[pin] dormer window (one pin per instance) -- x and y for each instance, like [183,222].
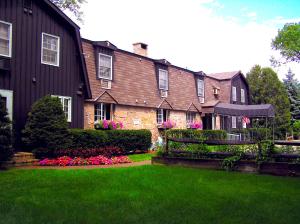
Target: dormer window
[200,86]
[163,79]
[105,67]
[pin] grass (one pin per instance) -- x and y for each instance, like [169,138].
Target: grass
[141,157]
[146,194]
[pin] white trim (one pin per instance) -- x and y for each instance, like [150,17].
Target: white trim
[9,102]
[58,49]
[167,73]
[62,98]
[111,66]
[10,39]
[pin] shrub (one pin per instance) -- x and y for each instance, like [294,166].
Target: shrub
[256,134]
[88,139]
[296,129]
[130,140]
[46,127]
[197,134]
[5,134]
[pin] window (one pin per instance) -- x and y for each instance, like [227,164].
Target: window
[66,103]
[163,79]
[7,99]
[5,39]
[234,94]
[50,49]
[27,4]
[105,66]
[162,115]
[190,117]
[242,95]
[233,121]
[102,111]
[200,86]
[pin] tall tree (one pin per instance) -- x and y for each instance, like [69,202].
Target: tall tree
[291,85]
[74,6]
[266,88]
[287,42]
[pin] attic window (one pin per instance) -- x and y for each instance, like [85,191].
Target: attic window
[27,4]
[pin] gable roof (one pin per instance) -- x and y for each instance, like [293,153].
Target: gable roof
[224,75]
[76,28]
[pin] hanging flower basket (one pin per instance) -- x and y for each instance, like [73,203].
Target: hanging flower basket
[167,125]
[195,125]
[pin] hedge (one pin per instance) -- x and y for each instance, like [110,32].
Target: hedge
[127,140]
[256,134]
[197,134]
[88,142]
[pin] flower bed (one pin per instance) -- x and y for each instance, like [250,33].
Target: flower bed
[78,161]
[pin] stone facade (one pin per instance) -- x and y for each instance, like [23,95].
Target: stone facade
[137,118]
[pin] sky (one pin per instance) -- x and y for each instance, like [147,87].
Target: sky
[201,35]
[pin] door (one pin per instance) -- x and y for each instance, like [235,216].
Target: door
[7,97]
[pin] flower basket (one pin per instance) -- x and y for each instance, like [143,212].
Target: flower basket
[107,125]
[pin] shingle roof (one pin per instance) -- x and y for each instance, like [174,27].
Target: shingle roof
[224,75]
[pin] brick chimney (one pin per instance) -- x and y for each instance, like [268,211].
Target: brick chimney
[141,49]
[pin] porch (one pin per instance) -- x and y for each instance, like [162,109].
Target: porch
[233,118]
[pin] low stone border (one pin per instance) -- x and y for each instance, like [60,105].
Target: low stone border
[142,163]
[273,168]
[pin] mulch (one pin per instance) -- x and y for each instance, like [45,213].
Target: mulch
[142,163]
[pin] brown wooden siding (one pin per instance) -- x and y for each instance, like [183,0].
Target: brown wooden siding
[26,61]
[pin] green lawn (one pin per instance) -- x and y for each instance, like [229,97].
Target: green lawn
[147,194]
[141,157]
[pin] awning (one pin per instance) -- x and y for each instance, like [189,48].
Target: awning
[260,110]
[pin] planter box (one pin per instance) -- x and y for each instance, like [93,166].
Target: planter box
[273,168]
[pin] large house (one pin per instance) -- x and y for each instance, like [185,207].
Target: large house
[40,54]
[143,92]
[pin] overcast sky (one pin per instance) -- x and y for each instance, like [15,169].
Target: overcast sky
[207,35]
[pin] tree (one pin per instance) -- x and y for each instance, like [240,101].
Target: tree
[74,6]
[287,42]
[291,85]
[46,128]
[266,88]
[5,134]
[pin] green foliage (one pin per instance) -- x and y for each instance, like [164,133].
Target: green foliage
[197,134]
[5,134]
[267,149]
[46,127]
[230,163]
[127,140]
[73,6]
[198,148]
[292,87]
[266,88]
[130,140]
[296,128]
[255,134]
[287,42]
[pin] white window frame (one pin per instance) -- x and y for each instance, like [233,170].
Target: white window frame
[111,66]
[233,121]
[167,79]
[103,112]
[190,117]
[62,98]
[234,98]
[160,113]
[243,98]
[10,39]
[200,93]
[58,50]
